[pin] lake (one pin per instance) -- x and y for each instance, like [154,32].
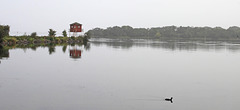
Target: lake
[122,75]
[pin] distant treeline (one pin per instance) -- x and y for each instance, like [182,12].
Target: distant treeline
[168,32]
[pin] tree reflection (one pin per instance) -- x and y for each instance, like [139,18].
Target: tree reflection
[75,53]
[87,46]
[4,53]
[64,48]
[51,48]
[171,45]
[232,46]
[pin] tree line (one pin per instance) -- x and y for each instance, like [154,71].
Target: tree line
[168,32]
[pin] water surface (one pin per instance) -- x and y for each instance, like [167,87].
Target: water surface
[123,76]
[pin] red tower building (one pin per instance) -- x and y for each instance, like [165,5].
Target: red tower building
[75,28]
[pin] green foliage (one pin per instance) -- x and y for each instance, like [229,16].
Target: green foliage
[10,40]
[51,33]
[79,38]
[34,34]
[57,40]
[64,39]
[72,37]
[4,31]
[34,39]
[50,38]
[42,39]
[31,40]
[64,33]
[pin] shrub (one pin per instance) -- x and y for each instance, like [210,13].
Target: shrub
[31,40]
[34,34]
[10,40]
[57,39]
[72,37]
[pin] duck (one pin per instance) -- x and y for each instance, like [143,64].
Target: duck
[167,99]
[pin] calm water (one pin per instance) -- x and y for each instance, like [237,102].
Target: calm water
[123,76]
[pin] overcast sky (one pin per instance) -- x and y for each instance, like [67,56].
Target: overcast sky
[41,15]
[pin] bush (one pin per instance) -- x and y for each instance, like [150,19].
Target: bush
[72,37]
[64,39]
[31,40]
[10,40]
[42,39]
[57,39]
[34,34]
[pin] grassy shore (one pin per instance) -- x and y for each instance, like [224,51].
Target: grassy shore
[12,40]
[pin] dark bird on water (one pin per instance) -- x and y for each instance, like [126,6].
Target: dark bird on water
[167,99]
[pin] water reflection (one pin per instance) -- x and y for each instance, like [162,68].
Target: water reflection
[119,44]
[171,45]
[103,79]
[4,52]
[75,53]
[51,48]
[64,48]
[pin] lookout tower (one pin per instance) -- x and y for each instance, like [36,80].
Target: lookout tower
[75,28]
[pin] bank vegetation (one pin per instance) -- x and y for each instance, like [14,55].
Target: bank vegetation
[33,38]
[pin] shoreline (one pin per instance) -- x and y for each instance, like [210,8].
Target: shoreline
[25,40]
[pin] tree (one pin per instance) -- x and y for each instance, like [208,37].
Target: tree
[51,33]
[34,34]
[64,33]
[4,31]
[87,34]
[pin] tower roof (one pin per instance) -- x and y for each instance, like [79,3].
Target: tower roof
[76,23]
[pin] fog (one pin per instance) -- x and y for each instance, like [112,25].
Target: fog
[27,16]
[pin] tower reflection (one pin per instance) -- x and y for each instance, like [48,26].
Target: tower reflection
[75,53]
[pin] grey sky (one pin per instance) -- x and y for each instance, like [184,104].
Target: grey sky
[41,15]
